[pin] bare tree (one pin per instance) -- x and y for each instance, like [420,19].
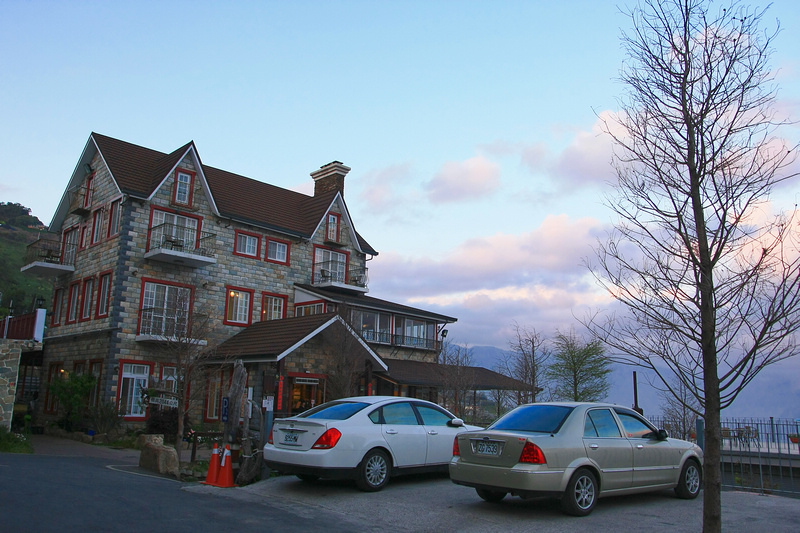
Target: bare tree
[679,410]
[527,362]
[458,377]
[579,370]
[346,365]
[708,291]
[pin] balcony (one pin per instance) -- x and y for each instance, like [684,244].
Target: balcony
[181,245]
[166,326]
[29,326]
[415,342]
[335,275]
[48,256]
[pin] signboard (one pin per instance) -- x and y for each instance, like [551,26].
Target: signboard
[167,402]
[268,403]
[225,408]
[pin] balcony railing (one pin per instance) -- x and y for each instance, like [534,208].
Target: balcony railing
[415,342]
[157,324]
[49,255]
[336,274]
[29,326]
[181,245]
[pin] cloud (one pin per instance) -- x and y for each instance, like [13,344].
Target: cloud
[587,160]
[380,188]
[458,181]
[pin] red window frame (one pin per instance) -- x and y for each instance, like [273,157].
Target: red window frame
[157,281]
[280,241]
[74,297]
[50,400]
[114,218]
[100,278]
[85,236]
[86,299]
[228,290]
[122,363]
[97,227]
[58,304]
[87,198]
[199,220]
[190,193]
[337,221]
[265,296]
[249,234]
[346,255]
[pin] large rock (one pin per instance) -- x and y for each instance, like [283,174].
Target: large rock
[149,439]
[160,458]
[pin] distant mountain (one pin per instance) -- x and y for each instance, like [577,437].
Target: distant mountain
[774,393]
[17,229]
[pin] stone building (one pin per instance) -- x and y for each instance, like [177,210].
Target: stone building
[145,245]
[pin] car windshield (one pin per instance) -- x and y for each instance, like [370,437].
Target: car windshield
[534,418]
[334,410]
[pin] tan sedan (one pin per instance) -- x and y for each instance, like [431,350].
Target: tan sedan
[577,452]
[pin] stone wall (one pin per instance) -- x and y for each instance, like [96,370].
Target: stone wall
[10,354]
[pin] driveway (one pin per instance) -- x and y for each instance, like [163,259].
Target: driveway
[433,503]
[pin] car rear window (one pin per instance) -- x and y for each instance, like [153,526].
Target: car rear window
[534,418]
[334,410]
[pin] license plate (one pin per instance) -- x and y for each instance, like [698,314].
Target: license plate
[290,438]
[487,448]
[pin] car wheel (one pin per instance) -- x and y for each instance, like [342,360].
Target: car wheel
[689,483]
[308,478]
[491,496]
[581,493]
[373,472]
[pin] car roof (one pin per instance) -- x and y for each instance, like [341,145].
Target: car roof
[378,399]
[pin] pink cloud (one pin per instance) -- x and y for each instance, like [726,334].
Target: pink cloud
[379,190]
[464,180]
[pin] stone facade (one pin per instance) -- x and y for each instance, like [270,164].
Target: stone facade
[10,354]
[82,338]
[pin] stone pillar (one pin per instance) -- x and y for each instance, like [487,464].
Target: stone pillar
[10,354]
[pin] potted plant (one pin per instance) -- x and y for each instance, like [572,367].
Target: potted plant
[794,437]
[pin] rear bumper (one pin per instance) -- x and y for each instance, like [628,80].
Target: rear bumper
[521,481]
[324,473]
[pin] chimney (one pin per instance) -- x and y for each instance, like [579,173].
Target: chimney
[329,178]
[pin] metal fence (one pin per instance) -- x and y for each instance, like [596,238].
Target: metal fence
[758,454]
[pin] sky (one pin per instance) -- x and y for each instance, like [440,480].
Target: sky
[479,167]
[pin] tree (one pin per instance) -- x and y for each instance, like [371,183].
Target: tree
[72,392]
[458,377]
[679,410]
[527,362]
[579,370]
[708,291]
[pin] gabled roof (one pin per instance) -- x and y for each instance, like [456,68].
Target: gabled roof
[363,301]
[139,171]
[423,374]
[272,340]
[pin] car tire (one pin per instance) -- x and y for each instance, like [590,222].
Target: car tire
[581,494]
[690,481]
[491,496]
[308,478]
[373,472]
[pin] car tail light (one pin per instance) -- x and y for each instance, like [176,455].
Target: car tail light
[269,440]
[327,439]
[456,448]
[531,453]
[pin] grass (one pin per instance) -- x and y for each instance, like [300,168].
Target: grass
[14,442]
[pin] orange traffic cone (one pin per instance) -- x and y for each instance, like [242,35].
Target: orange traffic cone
[225,479]
[213,467]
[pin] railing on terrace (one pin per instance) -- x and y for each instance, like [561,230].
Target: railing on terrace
[173,237]
[337,272]
[760,455]
[29,326]
[384,337]
[51,250]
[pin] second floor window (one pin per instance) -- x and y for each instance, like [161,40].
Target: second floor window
[104,295]
[86,308]
[58,303]
[277,251]
[113,218]
[329,266]
[239,306]
[273,307]
[165,310]
[74,301]
[97,226]
[173,231]
[87,194]
[70,246]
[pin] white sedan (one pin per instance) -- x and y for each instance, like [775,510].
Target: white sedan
[365,438]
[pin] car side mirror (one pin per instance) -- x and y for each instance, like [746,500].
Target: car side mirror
[662,434]
[456,423]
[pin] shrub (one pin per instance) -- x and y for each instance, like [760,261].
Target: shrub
[14,442]
[104,417]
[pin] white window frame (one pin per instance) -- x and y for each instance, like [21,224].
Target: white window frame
[135,378]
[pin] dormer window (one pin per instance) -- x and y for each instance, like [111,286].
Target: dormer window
[87,196]
[184,185]
[332,231]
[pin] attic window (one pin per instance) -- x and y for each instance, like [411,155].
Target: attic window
[184,184]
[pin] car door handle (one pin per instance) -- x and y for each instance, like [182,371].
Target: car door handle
[594,446]
[433,432]
[639,446]
[391,431]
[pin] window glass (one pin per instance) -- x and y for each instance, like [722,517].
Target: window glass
[534,418]
[329,266]
[183,187]
[97,226]
[400,413]
[165,310]
[173,231]
[634,426]
[113,219]
[104,295]
[272,308]
[600,423]
[88,287]
[431,416]
[134,382]
[238,306]
[74,297]
[247,244]
[277,251]
[334,410]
